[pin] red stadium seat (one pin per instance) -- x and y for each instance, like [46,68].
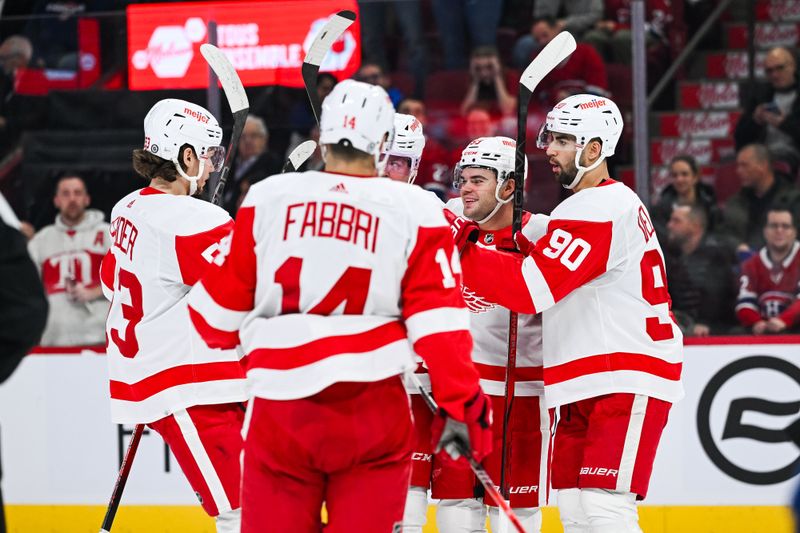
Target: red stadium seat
[620,83]
[726,182]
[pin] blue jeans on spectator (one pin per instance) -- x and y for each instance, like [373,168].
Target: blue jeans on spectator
[480,18]
[523,51]
[373,28]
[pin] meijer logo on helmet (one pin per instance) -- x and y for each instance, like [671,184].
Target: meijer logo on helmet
[593,103]
[196,114]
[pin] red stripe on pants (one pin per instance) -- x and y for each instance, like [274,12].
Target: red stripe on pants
[348,446]
[219,428]
[590,438]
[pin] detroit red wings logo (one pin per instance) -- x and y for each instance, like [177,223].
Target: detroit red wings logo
[475,303]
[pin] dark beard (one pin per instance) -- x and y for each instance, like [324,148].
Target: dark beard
[568,174]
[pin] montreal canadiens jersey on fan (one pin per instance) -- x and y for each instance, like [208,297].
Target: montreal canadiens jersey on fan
[488,321]
[336,278]
[158,364]
[768,289]
[598,278]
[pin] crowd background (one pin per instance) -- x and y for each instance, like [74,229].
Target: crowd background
[728,224]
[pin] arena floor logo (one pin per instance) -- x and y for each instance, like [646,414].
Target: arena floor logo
[753,454]
[170,49]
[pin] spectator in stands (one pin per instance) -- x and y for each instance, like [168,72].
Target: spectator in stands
[373,32]
[583,72]
[476,19]
[707,298]
[745,212]
[15,53]
[301,117]
[479,124]
[374,74]
[253,161]
[574,16]
[770,281]
[68,255]
[612,35]
[488,85]
[434,167]
[772,116]
[685,188]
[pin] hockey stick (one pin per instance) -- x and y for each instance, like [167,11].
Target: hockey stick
[299,155]
[548,58]
[122,478]
[477,468]
[329,33]
[237,100]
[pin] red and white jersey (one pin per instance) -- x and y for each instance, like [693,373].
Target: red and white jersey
[488,321]
[598,279]
[334,278]
[768,289]
[72,254]
[157,363]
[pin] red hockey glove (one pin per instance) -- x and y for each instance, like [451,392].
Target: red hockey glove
[475,433]
[464,230]
[524,245]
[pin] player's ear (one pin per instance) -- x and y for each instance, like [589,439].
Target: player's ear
[509,187]
[594,148]
[187,156]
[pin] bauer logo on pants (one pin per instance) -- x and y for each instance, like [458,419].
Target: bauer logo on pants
[767,417]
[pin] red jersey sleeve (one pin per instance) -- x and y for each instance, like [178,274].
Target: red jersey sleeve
[791,315]
[196,252]
[747,310]
[107,268]
[594,71]
[225,295]
[437,320]
[571,254]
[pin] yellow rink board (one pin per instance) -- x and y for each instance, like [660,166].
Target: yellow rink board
[182,519]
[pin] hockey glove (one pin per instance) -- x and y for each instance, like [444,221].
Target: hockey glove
[464,230]
[524,245]
[474,434]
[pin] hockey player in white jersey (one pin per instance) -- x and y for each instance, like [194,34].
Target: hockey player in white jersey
[333,282]
[405,152]
[612,352]
[484,177]
[162,373]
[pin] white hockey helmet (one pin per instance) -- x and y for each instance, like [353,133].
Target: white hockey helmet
[172,123]
[587,117]
[409,142]
[359,115]
[494,153]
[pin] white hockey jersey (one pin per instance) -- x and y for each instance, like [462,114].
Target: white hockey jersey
[598,278]
[72,254]
[334,278]
[488,321]
[157,363]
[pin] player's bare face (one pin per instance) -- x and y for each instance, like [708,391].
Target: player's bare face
[683,178]
[71,199]
[477,192]
[561,153]
[398,168]
[193,168]
[779,231]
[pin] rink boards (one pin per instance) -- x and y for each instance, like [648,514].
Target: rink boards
[725,463]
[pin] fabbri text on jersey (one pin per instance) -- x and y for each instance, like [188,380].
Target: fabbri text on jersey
[333,220]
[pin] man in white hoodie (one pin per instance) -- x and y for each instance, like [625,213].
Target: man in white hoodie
[68,255]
